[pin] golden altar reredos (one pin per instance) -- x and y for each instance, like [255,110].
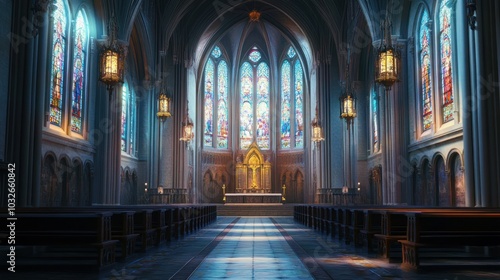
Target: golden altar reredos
[253,172]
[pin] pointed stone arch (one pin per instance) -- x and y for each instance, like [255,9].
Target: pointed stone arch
[76,183]
[88,180]
[457,183]
[211,192]
[441,182]
[298,186]
[64,173]
[49,181]
[426,189]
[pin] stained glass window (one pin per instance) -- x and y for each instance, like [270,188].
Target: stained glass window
[246,105]
[124,116]
[286,105]
[79,52]
[299,111]
[222,109]
[291,52]
[254,55]
[216,109]
[209,102]
[57,68]
[263,124]
[292,102]
[132,105]
[375,121]
[446,61]
[425,71]
[216,52]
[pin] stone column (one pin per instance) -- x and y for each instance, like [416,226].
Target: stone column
[469,118]
[41,18]
[22,135]
[393,135]
[487,96]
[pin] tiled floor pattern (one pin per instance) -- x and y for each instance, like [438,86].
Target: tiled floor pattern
[254,248]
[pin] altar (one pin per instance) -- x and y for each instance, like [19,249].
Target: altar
[253,179]
[268,198]
[253,172]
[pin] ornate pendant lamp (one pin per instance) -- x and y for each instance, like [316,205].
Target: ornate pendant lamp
[317,131]
[388,58]
[347,99]
[164,104]
[187,128]
[111,60]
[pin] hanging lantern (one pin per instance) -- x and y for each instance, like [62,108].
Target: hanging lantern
[111,67]
[387,72]
[187,129]
[388,58]
[347,108]
[111,60]
[164,104]
[317,131]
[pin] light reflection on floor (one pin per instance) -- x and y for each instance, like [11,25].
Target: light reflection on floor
[253,249]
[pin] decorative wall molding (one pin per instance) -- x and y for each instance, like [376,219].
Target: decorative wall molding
[293,158]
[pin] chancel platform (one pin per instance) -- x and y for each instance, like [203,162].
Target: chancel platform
[267,198]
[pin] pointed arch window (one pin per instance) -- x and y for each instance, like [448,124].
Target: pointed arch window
[216,112]
[292,96]
[128,121]
[424,36]
[255,101]
[446,63]
[57,68]
[79,74]
[67,78]
[375,119]
[124,116]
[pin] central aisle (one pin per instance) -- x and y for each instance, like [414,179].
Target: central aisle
[253,248]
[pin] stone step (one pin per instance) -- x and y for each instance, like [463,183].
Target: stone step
[255,210]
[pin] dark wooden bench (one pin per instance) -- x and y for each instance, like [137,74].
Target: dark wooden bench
[392,229]
[448,229]
[123,230]
[371,225]
[68,230]
[122,223]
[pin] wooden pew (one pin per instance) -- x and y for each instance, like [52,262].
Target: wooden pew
[448,229]
[122,223]
[69,230]
[355,226]
[393,228]
[371,225]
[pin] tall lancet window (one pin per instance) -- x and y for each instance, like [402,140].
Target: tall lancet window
[124,116]
[425,71]
[263,129]
[129,120]
[375,110]
[445,39]
[254,101]
[254,89]
[292,100]
[216,112]
[79,66]
[57,68]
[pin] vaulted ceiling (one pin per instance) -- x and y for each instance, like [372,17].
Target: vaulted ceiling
[320,28]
